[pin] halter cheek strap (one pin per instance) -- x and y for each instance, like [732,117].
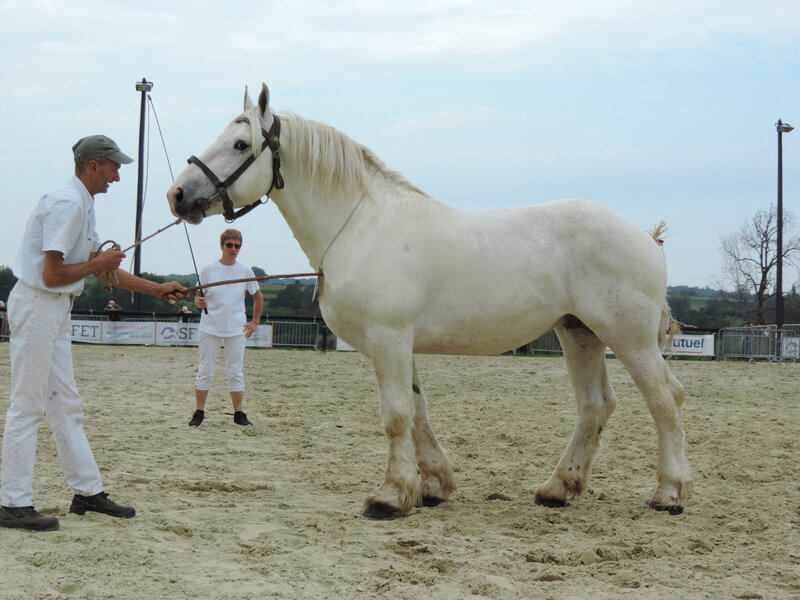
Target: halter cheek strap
[271,140]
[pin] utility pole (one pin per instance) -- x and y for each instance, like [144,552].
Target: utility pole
[144,87]
[782,128]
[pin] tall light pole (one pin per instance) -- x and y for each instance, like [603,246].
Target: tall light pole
[142,86]
[782,128]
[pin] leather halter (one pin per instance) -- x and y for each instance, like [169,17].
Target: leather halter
[271,139]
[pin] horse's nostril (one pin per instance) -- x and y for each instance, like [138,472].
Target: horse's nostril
[179,194]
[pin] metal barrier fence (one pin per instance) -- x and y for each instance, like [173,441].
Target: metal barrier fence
[752,343]
[547,344]
[296,334]
[761,342]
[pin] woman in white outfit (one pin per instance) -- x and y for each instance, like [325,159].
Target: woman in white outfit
[224,322]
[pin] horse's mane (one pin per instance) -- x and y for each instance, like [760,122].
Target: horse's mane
[333,158]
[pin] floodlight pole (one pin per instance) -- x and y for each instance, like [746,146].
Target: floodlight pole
[142,86]
[782,128]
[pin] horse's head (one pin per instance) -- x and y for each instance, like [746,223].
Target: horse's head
[232,171]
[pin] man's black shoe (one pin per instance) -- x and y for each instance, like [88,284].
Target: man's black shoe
[197,418]
[26,517]
[100,503]
[240,418]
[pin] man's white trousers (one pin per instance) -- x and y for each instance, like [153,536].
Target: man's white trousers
[43,387]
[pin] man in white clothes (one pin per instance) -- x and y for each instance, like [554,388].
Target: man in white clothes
[224,322]
[60,248]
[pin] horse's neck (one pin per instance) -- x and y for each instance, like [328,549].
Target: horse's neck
[332,185]
[315,218]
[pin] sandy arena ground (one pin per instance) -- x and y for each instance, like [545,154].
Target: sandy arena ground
[273,510]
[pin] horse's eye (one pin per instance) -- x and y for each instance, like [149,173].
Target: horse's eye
[241,145]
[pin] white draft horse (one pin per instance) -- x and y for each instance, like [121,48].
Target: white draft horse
[405,274]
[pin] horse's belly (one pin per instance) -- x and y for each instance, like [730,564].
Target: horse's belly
[482,338]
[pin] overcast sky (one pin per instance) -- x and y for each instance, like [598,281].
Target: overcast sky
[660,110]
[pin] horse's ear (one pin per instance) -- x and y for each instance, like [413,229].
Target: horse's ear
[263,99]
[248,104]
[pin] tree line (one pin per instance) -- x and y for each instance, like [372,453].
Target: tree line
[695,306]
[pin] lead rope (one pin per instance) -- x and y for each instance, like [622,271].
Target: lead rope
[248,279]
[112,275]
[336,237]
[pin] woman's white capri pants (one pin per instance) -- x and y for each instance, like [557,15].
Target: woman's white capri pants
[234,357]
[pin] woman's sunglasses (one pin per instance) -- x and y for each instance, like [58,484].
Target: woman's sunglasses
[232,245]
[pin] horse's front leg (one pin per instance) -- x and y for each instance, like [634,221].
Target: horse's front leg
[436,471]
[400,491]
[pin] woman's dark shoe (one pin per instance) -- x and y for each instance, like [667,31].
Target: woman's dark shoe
[197,418]
[240,418]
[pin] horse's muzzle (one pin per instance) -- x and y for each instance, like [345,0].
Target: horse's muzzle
[191,210]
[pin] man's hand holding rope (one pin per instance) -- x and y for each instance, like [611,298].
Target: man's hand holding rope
[106,264]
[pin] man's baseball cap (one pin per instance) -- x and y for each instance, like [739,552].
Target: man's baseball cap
[99,146]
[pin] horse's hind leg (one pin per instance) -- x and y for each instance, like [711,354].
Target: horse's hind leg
[594,400]
[436,471]
[664,396]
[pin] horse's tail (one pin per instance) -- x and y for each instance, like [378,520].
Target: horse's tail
[658,233]
[668,328]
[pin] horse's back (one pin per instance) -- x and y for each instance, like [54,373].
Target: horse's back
[562,250]
[482,282]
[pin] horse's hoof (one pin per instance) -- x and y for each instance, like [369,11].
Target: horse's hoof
[549,502]
[380,511]
[673,510]
[431,501]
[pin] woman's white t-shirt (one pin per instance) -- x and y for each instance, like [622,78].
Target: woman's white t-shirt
[226,316]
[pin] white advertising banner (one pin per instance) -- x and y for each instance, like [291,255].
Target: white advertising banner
[688,345]
[693,345]
[147,333]
[136,333]
[185,334]
[88,332]
[344,346]
[790,347]
[176,334]
[261,338]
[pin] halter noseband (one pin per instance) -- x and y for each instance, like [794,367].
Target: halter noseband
[271,139]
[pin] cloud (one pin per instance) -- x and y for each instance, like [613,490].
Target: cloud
[452,119]
[348,39]
[514,34]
